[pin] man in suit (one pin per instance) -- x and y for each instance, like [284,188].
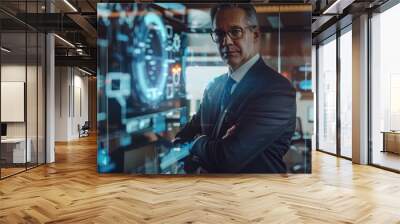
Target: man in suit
[247,117]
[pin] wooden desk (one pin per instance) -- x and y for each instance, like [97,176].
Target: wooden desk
[13,150]
[391,141]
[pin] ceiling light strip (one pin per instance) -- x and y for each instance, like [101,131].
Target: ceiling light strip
[64,40]
[84,71]
[70,5]
[337,7]
[5,50]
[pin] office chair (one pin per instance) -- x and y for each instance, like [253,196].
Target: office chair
[297,159]
[84,130]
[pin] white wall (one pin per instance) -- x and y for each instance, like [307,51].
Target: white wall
[61,103]
[16,73]
[10,73]
[13,72]
[71,94]
[302,106]
[197,79]
[33,126]
[79,115]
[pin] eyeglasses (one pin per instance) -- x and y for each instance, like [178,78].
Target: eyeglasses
[235,33]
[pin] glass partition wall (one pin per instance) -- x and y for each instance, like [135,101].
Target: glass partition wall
[22,88]
[13,110]
[334,94]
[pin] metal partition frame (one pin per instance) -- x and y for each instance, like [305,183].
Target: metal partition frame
[44,75]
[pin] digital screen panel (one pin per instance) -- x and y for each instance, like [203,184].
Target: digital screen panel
[144,63]
[140,78]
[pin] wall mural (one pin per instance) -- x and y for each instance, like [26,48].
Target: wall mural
[144,109]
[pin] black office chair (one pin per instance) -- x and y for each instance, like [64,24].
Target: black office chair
[297,159]
[84,130]
[298,132]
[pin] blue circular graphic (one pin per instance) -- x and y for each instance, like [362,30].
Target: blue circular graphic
[150,60]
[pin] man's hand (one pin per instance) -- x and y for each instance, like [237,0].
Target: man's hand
[229,132]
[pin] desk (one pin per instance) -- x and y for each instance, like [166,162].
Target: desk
[15,148]
[391,141]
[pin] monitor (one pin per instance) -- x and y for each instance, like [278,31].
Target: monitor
[3,129]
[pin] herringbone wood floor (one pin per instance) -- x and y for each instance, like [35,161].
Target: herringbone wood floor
[71,191]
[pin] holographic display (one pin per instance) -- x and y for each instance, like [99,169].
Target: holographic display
[140,81]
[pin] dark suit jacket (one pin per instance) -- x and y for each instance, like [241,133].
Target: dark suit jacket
[263,108]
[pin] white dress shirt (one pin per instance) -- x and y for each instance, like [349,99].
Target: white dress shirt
[240,72]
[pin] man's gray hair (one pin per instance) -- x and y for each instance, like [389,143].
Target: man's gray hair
[250,11]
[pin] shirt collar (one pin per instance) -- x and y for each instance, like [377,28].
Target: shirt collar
[240,72]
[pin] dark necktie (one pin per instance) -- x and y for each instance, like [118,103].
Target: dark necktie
[227,92]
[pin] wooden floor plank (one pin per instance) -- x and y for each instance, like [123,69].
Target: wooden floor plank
[71,191]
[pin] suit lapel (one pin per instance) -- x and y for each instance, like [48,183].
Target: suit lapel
[216,105]
[240,94]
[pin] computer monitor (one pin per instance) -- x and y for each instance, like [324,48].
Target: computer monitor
[3,129]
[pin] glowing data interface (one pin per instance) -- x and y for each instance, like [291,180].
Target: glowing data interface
[140,82]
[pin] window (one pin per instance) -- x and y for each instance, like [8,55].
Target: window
[327,96]
[385,89]
[346,93]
